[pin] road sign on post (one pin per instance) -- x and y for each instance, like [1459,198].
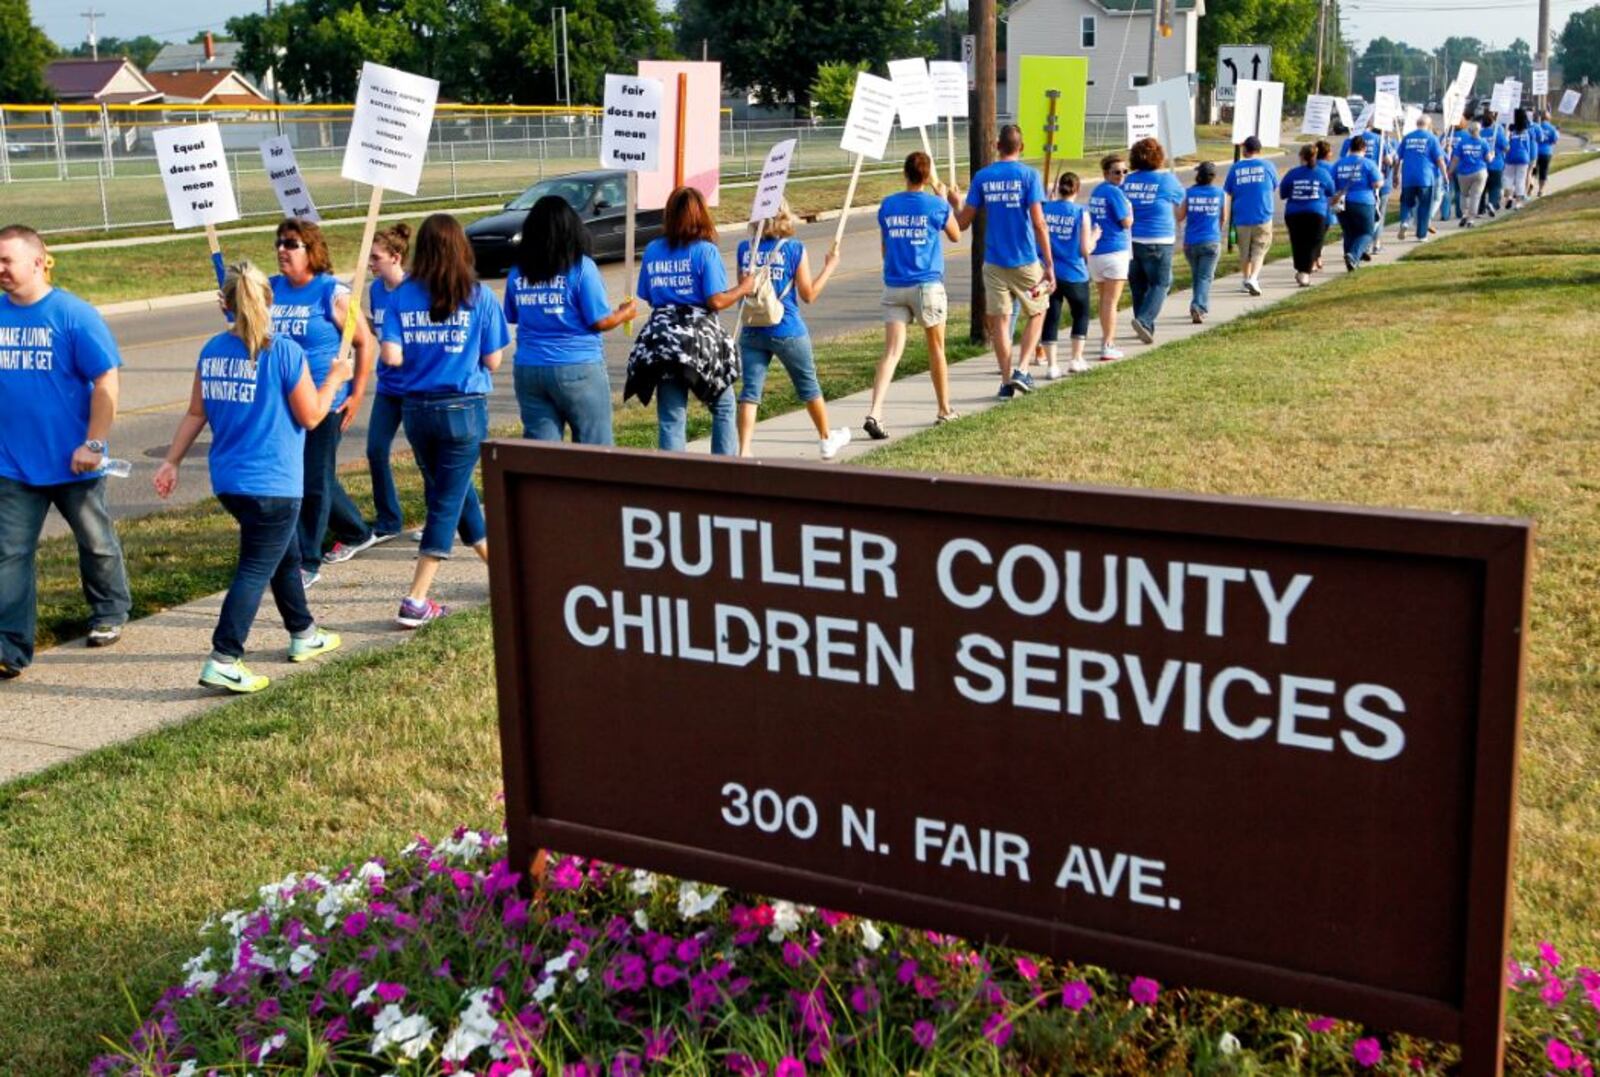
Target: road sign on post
[1236,62]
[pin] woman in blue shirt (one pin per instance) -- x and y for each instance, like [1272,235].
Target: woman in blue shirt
[557,301]
[386,261]
[1072,237]
[912,227]
[1546,137]
[449,332]
[1357,181]
[782,258]
[309,306]
[254,387]
[1157,200]
[1469,169]
[1205,222]
[1325,164]
[1109,260]
[1305,191]
[1519,157]
[683,348]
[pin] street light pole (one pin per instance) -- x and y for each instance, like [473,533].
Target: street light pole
[1322,34]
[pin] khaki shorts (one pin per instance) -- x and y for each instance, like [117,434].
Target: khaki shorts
[1001,283]
[916,304]
[1254,239]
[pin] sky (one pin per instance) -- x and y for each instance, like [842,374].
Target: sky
[1424,23]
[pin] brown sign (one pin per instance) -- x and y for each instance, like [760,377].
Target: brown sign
[1263,748]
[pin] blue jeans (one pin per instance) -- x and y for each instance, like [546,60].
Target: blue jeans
[756,352]
[105,578]
[1382,216]
[445,432]
[269,555]
[381,428]
[1356,223]
[1149,277]
[553,396]
[1419,199]
[1202,259]
[326,508]
[672,418]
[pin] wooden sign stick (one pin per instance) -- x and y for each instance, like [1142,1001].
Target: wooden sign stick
[683,129]
[927,147]
[755,263]
[359,280]
[1050,126]
[849,196]
[632,205]
[950,134]
[216,253]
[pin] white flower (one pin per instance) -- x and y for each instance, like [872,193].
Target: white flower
[371,870]
[187,1069]
[692,903]
[871,937]
[366,996]
[1228,1044]
[235,921]
[642,883]
[410,1034]
[476,1028]
[560,964]
[303,957]
[582,975]
[201,981]
[545,989]
[271,1044]
[467,847]
[640,920]
[785,920]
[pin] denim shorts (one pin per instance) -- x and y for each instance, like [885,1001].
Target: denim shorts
[758,350]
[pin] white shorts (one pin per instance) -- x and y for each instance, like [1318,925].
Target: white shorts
[1112,266]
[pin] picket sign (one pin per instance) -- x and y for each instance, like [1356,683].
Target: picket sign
[630,139]
[1319,115]
[288,184]
[1385,112]
[866,134]
[950,89]
[914,97]
[1386,84]
[1541,81]
[1569,102]
[1144,121]
[1258,111]
[194,171]
[1466,75]
[388,142]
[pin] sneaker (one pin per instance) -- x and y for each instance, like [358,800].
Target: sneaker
[304,650]
[307,578]
[838,439]
[1377,248]
[874,429]
[1022,380]
[103,635]
[343,551]
[233,677]
[1078,366]
[383,536]
[1252,286]
[1007,391]
[1054,373]
[1109,354]
[1425,239]
[1402,234]
[1143,332]
[1349,264]
[415,536]
[947,417]
[1197,316]
[415,614]
[8,671]
[1303,279]
[1367,256]
[1461,222]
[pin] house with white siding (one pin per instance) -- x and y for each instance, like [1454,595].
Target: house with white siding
[1113,34]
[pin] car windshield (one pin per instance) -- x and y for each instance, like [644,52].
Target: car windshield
[575,191]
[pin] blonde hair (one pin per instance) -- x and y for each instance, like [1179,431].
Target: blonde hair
[779,226]
[249,297]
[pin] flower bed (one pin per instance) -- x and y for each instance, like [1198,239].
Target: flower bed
[435,964]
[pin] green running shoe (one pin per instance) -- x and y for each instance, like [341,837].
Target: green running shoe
[234,678]
[304,650]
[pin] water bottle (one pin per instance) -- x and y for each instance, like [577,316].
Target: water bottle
[115,468]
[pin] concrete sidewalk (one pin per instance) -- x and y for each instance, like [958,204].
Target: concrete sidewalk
[73,700]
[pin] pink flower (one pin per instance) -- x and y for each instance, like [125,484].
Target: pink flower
[665,975]
[744,1065]
[1144,990]
[997,1029]
[1554,993]
[688,950]
[924,1033]
[790,1066]
[1027,969]
[1321,1024]
[1548,955]
[355,924]
[566,876]
[864,998]
[1076,995]
[1559,1054]
[794,955]
[515,914]
[1367,1052]
[391,992]
[657,1045]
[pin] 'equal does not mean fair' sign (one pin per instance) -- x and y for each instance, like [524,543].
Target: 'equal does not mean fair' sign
[1257,747]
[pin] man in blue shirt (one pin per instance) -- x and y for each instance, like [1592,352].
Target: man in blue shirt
[1252,188]
[1421,158]
[58,397]
[1016,253]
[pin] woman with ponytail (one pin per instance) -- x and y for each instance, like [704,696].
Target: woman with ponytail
[254,388]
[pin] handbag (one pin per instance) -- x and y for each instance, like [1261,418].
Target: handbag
[763,307]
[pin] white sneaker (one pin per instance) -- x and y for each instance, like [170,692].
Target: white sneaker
[1402,235]
[1108,353]
[1053,373]
[835,441]
[1078,366]
[1252,286]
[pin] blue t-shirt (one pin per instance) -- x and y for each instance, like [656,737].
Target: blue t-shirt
[784,269]
[1251,183]
[1548,137]
[554,317]
[1519,147]
[1109,207]
[1202,215]
[688,275]
[1153,196]
[1306,189]
[1468,154]
[1495,138]
[51,351]
[911,223]
[391,379]
[1009,189]
[305,316]
[256,446]
[445,357]
[1356,175]
[1064,221]
[1420,157]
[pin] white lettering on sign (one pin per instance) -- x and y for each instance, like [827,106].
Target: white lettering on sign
[630,133]
[288,185]
[194,170]
[913,92]
[949,87]
[389,131]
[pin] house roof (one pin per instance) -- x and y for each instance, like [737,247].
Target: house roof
[219,87]
[193,58]
[87,80]
[1126,7]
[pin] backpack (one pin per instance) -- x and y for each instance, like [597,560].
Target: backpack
[763,307]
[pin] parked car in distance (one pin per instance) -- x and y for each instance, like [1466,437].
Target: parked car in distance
[1356,103]
[599,197]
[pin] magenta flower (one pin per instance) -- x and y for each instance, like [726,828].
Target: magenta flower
[335,1030]
[1321,1024]
[688,950]
[1554,993]
[658,1044]
[864,998]
[566,876]
[1027,969]
[1548,954]
[626,1065]
[1367,1052]
[794,955]
[743,1065]
[1559,1054]
[626,973]
[355,924]
[924,1033]
[1076,995]
[790,1066]
[997,1029]
[268,1009]
[665,975]
[582,1069]
[515,914]
[1144,990]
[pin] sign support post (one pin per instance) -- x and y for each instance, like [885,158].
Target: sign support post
[866,134]
[216,253]
[950,91]
[630,212]
[1050,127]
[358,280]
[849,196]
[683,129]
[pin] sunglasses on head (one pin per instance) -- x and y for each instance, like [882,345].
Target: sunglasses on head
[289,244]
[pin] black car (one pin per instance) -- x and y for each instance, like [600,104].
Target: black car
[600,198]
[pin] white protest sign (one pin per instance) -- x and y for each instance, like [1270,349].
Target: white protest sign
[1144,121]
[774,177]
[1385,112]
[1500,101]
[277,157]
[1413,114]
[389,132]
[871,119]
[1466,75]
[1387,84]
[630,132]
[1364,121]
[1514,88]
[130,138]
[913,93]
[1541,81]
[1342,107]
[1171,96]
[194,169]
[1569,102]
[1258,111]
[949,87]
[1319,115]
[1453,107]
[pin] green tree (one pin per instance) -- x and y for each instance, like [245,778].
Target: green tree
[1578,48]
[832,89]
[774,47]
[1289,26]
[25,50]
[141,50]
[1385,57]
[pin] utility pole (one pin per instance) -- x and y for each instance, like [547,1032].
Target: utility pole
[1543,55]
[94,39]
[1322,35]
[980,135]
